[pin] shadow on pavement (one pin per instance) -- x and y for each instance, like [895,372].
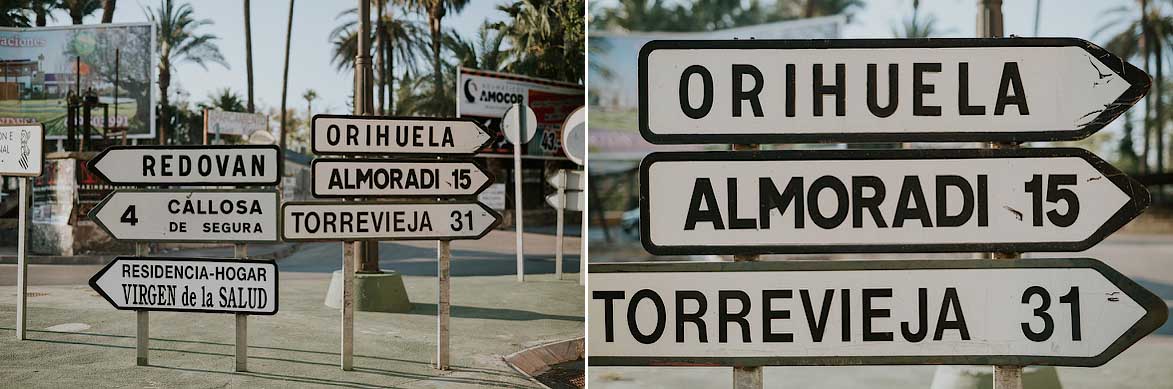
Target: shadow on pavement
[441,376]
[490,313]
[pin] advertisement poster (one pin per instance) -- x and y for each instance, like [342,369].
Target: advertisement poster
[487,95]
[41,67]
[53,192]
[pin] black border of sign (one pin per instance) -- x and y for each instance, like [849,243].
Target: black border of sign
[1131,209]
[1138,80]
[40,143]
[276,282]
[92,164]
[492,226]
[314,146]
[1156,312]
[489,178]
[93,214]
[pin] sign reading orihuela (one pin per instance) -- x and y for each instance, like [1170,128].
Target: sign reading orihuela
[189,165]
[1007,200]
[881,90]
[193,215]
[1069,312]
[324,221]
[352,134]
[189,284]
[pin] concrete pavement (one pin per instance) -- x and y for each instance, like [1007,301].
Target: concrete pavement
[78,340]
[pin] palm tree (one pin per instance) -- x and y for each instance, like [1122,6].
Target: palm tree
[310,95]
[1144,37]
[285,75]
[435,10]
[248,53]
[546,38]
[178,41]
[403,42]
[108,10]
[224,99]
[79,9]
[485,53]
[915,26]
[15,14]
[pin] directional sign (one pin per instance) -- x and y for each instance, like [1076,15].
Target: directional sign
[21,151]
[324,221]
[808,201]
[189,285]
[574,136]
[381,177]
[189,215]
[575,201]
[568,179]
[1064,312]
[881,90]
[189,165]
[351,134]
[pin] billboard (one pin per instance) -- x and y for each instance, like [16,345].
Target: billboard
[217,122]
[40,67]
[486,96]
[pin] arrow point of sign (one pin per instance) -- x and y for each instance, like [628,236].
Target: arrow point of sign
[93,214]
[1156,311]
[94,280]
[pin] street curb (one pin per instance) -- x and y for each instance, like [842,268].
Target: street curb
[536,360]
[276,255]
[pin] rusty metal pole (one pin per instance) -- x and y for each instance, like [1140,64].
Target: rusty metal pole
[747,377]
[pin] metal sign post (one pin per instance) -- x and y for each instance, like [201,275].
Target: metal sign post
[21,155]
[569,185]
[443,302]
[519,124]
[574,145]
[142,333]
[240,251]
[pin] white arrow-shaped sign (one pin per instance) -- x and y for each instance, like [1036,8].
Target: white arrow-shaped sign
[575,201]
[1065,312]
[233,165]
[381,178]
[189,215]
[189,285]
[882,201]
[326,221]
[568,179]
[351,134]
[881,90]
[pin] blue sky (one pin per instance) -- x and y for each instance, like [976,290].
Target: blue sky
[310,55]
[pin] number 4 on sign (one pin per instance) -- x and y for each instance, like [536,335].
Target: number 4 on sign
[128,216]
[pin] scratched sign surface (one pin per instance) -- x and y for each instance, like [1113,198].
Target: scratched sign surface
[881,90]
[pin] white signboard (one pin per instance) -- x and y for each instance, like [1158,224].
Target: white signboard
[490,94]
[575,201]
[21,154]
[372,177]
[1068,312]
[350,134]
[189,165]
[189,215]
[762,91]
[386,221]
[189,285]
[568,179]
[882,201]
[574,136]
[234,123]
[493,197]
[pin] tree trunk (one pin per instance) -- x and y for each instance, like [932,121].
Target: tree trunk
[434,15]
[75,11]
[809,11]
[380,44]
[108,11]
[164,102]
[1148,111]
[1159,130]
[248,54]
[390,71]
[284,78]
[41,12]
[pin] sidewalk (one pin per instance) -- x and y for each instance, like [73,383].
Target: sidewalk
[80,341]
